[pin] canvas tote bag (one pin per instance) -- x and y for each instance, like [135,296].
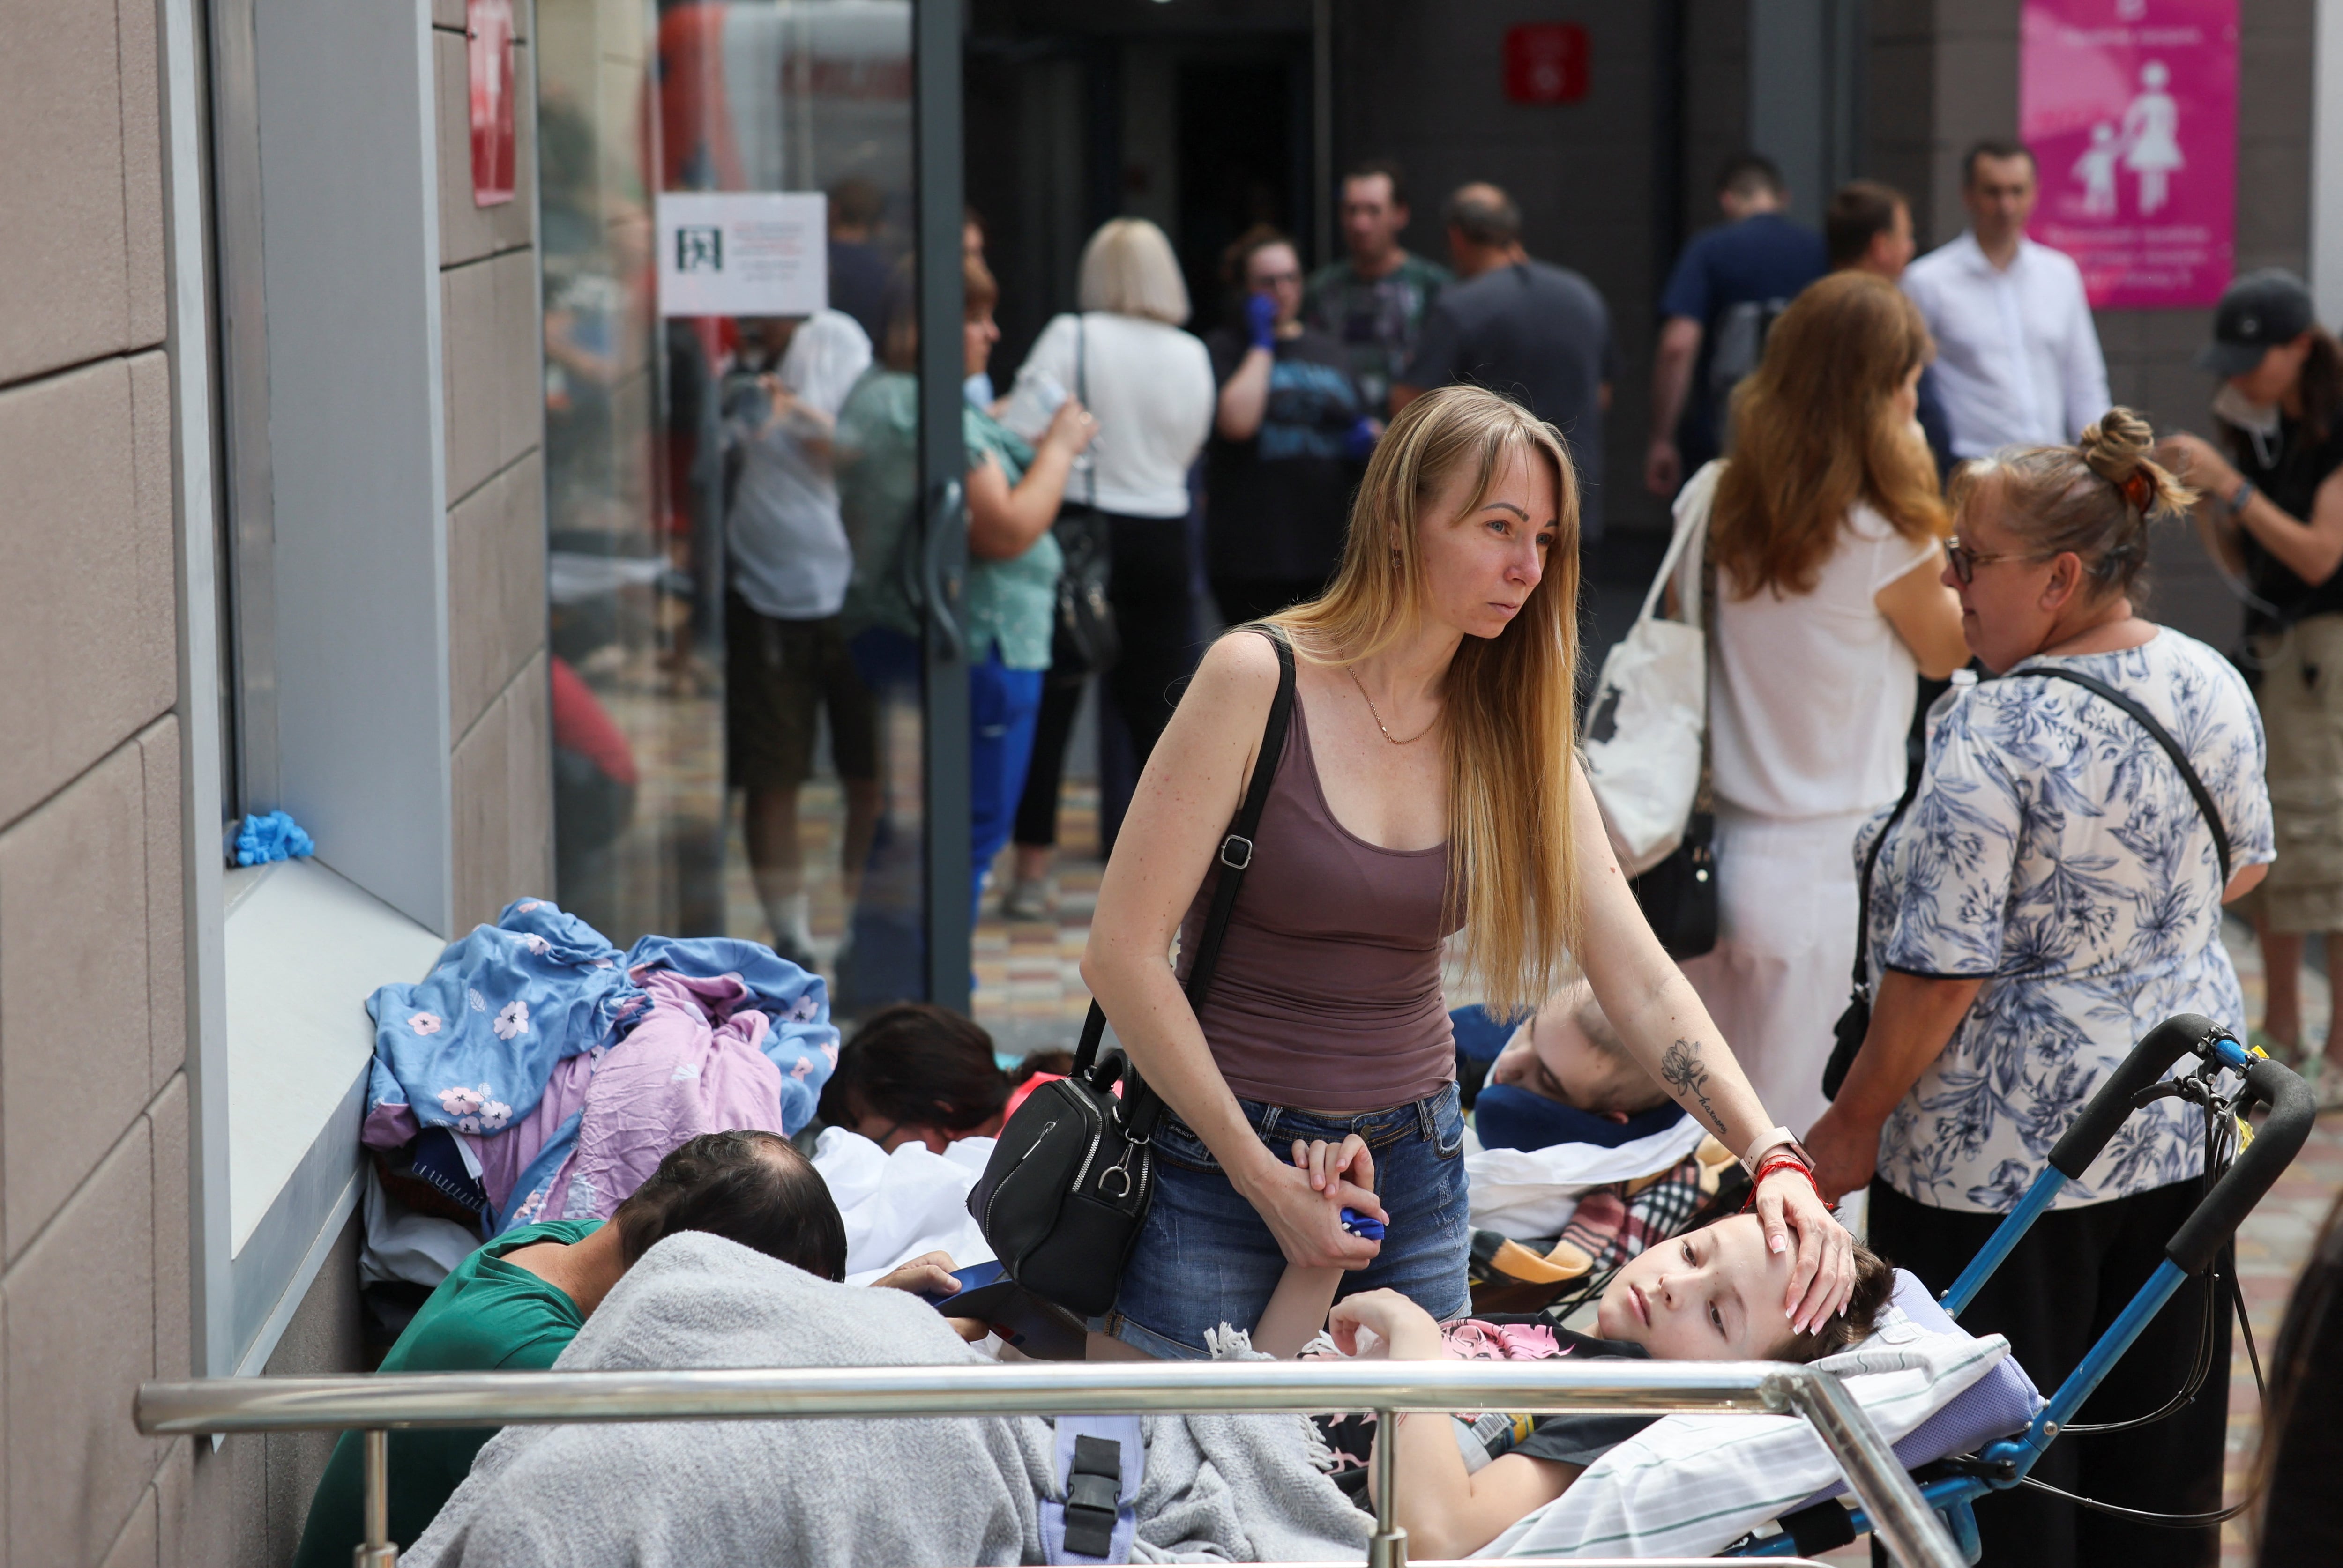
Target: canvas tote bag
[1650,713]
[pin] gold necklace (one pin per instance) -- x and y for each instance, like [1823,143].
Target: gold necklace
[1378,718]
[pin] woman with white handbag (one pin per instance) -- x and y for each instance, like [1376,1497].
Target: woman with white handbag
[1824,531]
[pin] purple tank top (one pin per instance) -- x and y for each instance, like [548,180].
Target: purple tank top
[1327,996]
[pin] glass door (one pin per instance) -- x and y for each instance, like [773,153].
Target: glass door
[753,583]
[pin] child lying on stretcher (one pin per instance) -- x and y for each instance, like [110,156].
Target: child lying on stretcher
[1710,1294]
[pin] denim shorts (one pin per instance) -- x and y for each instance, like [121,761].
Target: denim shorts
[1204,1258]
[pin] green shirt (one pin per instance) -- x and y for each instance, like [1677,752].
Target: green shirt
[488,1316]
[1009,604]
[1375,319]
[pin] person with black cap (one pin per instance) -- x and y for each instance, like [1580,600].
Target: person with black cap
[2271,514]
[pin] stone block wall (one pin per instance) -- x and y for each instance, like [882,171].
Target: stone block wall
[499,700]
[93,1271]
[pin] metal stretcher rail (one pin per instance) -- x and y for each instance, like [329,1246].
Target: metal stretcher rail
[376,1404]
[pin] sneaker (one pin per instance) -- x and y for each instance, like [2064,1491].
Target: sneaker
[1026,901]
[795,952]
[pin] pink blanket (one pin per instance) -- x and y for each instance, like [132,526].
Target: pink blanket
[694,1065]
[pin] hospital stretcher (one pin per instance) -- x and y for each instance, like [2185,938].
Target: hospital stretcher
[1926,1523]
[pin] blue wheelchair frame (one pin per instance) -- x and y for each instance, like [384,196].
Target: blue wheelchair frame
[2003,1464]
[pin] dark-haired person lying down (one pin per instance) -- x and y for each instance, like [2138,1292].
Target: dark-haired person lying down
[516,1303]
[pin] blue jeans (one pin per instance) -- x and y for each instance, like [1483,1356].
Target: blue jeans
[1205,1258]
[1003,705]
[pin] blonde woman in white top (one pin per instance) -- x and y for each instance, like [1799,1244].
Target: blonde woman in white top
[1827,534]
[1149,384]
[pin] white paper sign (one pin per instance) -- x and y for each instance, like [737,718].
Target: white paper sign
[743,253]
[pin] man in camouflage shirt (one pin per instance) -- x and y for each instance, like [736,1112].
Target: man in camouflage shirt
[1374,300]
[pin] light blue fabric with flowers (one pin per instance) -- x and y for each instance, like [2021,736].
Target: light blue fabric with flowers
[2053,849]
[472,1045]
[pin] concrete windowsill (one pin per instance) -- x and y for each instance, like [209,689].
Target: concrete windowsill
[304,949]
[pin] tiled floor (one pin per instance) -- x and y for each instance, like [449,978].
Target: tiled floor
[2272,1243]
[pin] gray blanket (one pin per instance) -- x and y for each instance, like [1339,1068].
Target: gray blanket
[897,1492]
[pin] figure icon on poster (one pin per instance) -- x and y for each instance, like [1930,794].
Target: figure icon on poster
[2151,140]
[2097,169]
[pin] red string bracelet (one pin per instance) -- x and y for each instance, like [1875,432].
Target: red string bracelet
[1773,1163]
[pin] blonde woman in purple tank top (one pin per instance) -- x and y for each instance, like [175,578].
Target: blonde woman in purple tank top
[1427,791]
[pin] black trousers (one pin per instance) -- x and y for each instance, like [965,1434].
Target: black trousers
[1037,808]
[2075,1272]
[1149,586]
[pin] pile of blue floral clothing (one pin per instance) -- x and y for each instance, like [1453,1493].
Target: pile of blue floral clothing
[539,1074]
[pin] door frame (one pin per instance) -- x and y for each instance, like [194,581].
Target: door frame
[938,186]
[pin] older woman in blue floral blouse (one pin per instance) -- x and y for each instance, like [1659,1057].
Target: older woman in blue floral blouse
[2050,892]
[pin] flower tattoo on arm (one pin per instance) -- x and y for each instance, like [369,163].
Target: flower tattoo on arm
[1682,1069]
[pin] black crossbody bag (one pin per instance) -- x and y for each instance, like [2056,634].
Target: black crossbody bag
[1855,1023]
[1062,1198]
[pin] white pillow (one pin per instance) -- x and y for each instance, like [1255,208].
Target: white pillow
[897,1206]
[1688,1485]
[1532,1193]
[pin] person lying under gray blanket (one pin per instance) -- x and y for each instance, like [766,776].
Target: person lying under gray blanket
[884,1492]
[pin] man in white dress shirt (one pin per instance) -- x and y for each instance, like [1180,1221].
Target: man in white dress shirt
[2017,357]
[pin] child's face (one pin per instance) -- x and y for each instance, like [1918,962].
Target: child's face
[1710,1295]
[1563,1064]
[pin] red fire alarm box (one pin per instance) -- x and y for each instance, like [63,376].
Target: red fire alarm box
[1545,63]
[489,43]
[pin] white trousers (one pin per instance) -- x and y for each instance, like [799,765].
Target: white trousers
[1778,978]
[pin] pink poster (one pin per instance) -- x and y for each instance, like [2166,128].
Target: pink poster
[2131,109]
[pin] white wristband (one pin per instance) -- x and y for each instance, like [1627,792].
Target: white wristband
[1773,1138]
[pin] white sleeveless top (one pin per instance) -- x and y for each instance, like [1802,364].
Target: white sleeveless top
[1810,696]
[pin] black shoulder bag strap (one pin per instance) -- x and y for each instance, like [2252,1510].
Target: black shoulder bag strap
[2162,736]
[1870,863]
[1141,1109]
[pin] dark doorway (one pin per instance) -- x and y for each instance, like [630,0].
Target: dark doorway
[1243,160]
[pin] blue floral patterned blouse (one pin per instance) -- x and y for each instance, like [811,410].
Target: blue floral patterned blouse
[2053,849]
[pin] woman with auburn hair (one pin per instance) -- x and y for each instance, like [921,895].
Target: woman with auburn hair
[1427,789]
[1825,534]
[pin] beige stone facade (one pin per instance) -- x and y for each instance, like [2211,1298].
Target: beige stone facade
[96,1210]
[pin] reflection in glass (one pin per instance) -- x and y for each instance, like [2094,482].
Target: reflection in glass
[722,764]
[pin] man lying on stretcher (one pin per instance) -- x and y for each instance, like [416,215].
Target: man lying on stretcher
[1712,1294]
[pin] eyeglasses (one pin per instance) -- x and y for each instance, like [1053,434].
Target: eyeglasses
[1966,560]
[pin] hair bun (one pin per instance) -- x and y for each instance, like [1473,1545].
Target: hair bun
[2116,444]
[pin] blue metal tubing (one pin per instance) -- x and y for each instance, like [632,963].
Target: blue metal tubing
[2161,1286]
[2040,1196]
[2005,1239]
